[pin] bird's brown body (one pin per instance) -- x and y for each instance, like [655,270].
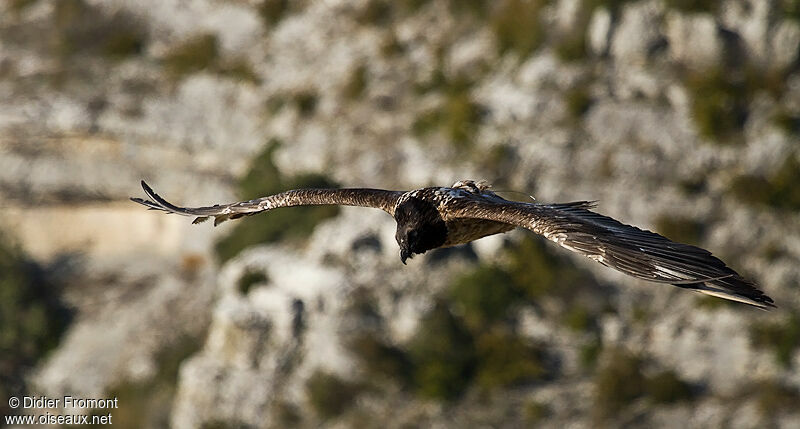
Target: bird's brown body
[463,231]
[429,218]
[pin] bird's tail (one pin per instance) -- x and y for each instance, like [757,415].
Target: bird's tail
[733,288]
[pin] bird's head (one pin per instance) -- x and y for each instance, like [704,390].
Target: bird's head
[419,228]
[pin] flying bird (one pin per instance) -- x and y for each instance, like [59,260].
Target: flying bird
[434,217]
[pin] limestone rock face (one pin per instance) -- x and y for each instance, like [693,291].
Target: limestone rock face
[694,40]
[638,33]
[683,121]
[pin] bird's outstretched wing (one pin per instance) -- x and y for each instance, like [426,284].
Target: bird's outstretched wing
[639,253]
[376,198]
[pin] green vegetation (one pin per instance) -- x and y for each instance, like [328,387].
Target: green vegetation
[788,122]
[19,6]
[719,103]
[443,353]
[721,97]
[294,223]
[458,116]
[618,382]
[783,337]
[517,27]
[589,353]
[571,45]
[621,380]
[287,415]
[484,296]
[381,360]
[376,12]
[357,83]
[579,319]
[666,388]
[535,412]
[306,102]
[83,29]
[694,6]
[239,69]
[541,272]
[773,397]
[193,55]
[390,45]
[329,395]
[790,9]
[505,359]
[148,403]
[681,229]
[272,11]
[614,6]
[32,318]
[694,185]
[579,100]
[468,340]
[779,190]
[201,53]
[250,279]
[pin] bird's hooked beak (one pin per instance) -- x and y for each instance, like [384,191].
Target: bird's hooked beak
[404,254]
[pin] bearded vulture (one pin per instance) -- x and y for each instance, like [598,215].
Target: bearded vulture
[430,218]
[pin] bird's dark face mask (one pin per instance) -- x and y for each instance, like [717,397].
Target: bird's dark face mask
[419,228]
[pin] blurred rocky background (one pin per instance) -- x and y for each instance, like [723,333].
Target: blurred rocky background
[679,116]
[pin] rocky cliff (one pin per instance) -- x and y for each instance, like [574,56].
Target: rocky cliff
[681,117]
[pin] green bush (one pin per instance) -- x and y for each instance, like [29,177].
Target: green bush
[783,337]
[618,382]
[535,412]
[506,360]
[773,397]
[193,55]
[719,104]
[357,83]
[330,395]
[292,223]
[621,380]
[540,271]
[484,296]
[579,100]
[721,97]
[790,9]
[680,229]
[443,353]
[779,190]
[376,12]
[517,26]
[468,339]
[788,122]
[382,360]
[83,29]
[666,388]
[202,53]
[18,6]
[695,6]
[272,11]
[306,102]
[32,318]
[457,117]
[580,319]
[589,353]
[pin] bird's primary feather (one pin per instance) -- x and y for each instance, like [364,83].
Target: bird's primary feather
[444,216]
